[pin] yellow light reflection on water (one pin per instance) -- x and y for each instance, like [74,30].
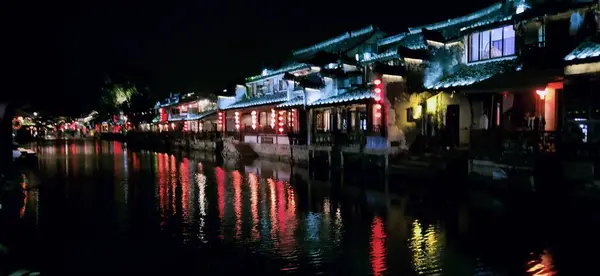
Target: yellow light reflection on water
[426,246]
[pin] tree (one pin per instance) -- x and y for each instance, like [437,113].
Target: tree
[115,95]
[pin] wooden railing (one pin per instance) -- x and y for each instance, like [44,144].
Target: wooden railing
[352,139]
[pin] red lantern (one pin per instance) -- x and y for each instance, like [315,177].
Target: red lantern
[378,96]
[378,90]
[220,120]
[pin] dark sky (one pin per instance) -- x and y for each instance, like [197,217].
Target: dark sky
[62,49]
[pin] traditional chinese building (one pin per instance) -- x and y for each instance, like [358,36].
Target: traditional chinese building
[489,75]
[322,91]
[582,104]
[187,113]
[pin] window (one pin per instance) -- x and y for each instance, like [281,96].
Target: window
[410,115]
[496,43]
[282,85]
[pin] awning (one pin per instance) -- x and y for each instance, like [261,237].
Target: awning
[587,51]
[518,80]
[347,97]
[296,101]
[470,74]
[264,100]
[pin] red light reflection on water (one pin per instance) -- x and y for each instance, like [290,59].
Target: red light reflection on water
[162,187]
[273,212]
[184,170]
[220,177]
[281,202]
[25,187]
[136,161]
[237,204]
[253,181]
[542,266]
[378,247]
[173,186]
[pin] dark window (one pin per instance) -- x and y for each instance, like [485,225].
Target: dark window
[410,115]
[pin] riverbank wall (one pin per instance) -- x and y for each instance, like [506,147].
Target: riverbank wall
[147,140]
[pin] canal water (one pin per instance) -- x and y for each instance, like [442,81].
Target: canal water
[99,207]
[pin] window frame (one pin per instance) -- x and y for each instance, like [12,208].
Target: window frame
[479,47]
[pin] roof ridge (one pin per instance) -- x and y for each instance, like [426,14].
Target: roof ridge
[337,39]
[457,20]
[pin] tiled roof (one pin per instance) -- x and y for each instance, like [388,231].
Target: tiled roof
[194,116]
[341,43]
[297,101]
[269,73]
[387,55]
[586,50]
[414,41]
[449,29]
[346,97]
[264,100]
[468,75]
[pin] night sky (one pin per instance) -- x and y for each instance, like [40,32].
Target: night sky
[60,51]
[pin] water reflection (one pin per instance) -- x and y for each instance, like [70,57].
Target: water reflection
[253,181]
[378,246]
[541,265]
[426,245]
[304,226]
[201,181]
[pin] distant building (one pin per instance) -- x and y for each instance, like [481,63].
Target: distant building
[188,112]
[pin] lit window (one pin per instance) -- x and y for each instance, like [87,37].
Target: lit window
[496,43]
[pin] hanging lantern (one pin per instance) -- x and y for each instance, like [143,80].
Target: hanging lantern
[273,118]
[378,90]
[253,119]
[237,120]
[281,121]
[220,120]
[378,97]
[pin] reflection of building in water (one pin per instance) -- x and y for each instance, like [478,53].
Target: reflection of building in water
[267,169]
[237,203]
[173,184]
[377,245]
[201,181]
[426,246]
[273,211]
[184,180]
[220,177]
[253,181]
[163,183]
[543,265]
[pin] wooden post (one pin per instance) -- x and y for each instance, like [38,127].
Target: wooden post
[369,117]
[309,128]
